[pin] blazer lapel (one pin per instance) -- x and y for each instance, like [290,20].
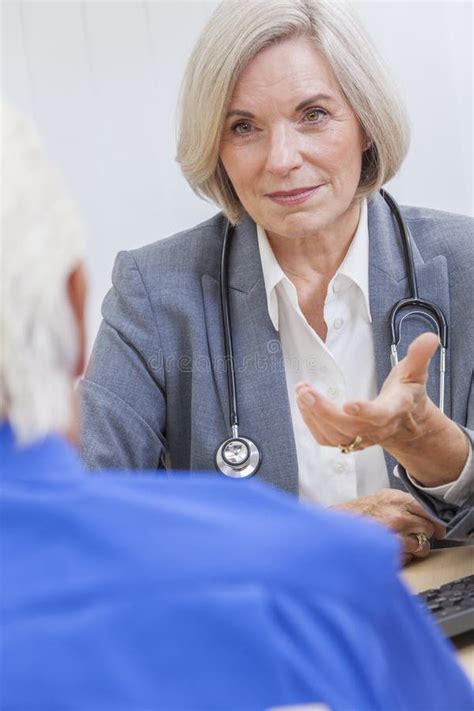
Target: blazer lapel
[264,410]
[262,397]
[388,284]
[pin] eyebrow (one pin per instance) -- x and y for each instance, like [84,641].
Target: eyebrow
[313,100]
[302,105]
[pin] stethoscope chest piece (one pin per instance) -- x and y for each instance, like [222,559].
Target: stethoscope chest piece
[238,457]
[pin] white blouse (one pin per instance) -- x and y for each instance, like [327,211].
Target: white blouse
[342,368]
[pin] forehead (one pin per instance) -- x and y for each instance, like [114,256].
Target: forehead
[285,70]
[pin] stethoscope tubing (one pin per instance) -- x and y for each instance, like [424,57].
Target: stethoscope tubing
[413,305]
[227,330]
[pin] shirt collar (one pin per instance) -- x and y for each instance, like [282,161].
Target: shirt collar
[354,268]
[273,274]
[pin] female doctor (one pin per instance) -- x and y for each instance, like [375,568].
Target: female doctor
[256,342]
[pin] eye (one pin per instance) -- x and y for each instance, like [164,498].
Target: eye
[315,115]
[241,128]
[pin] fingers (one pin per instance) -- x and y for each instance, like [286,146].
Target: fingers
[415,547]
[418,531]
[324,418]
[310,401]
[418,357]
[396,399]
[439,531]
[323,432]
[396,510]
[373,420]
[419,524]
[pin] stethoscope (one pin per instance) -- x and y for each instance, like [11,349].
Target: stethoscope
[239,457]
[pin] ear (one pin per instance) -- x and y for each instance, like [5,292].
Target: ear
[77,291]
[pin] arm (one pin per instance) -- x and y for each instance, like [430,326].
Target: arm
[449,504]
[411,666]
[458,519]
[123,392]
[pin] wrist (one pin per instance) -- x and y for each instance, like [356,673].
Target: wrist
[437,453]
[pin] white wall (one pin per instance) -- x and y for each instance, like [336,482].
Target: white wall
[101,80]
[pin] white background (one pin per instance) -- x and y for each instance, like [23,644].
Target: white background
[101,80]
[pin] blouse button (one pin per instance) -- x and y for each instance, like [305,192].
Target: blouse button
[333,393]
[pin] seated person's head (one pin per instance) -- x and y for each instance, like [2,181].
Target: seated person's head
[42,289]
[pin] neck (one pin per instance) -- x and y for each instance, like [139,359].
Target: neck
[318,255]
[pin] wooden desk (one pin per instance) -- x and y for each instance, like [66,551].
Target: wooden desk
[442,566]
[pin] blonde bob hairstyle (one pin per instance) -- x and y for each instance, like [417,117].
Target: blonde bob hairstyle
[235,33]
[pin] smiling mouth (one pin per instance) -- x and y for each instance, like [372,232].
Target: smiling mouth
[293,197]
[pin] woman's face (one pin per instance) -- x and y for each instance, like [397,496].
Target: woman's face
[292,146]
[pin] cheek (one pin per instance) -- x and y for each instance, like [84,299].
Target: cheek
[343,161]
[240,166]
[339,143]
[340,148]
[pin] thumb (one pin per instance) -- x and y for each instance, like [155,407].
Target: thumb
[418,357]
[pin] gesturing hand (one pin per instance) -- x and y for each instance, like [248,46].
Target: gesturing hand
[402,419]
[397,413]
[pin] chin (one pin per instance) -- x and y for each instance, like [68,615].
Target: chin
[298,224]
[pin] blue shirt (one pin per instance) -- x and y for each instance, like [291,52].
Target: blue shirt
[136,592]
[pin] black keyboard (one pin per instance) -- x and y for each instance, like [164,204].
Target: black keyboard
[452,605]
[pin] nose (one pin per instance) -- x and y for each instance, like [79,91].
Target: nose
[284,150]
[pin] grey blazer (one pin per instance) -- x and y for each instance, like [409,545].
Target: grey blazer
[155,393]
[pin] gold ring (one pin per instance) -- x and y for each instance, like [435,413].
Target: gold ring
[352,447]
[422,539]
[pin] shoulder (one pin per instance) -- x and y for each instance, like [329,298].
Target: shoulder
[438,219]
[349,551]
[166,274]
[195,250]
[437,232]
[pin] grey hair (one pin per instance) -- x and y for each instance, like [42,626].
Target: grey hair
[41,243]
[235,33]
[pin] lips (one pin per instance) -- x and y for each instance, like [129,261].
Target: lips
[293,197]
